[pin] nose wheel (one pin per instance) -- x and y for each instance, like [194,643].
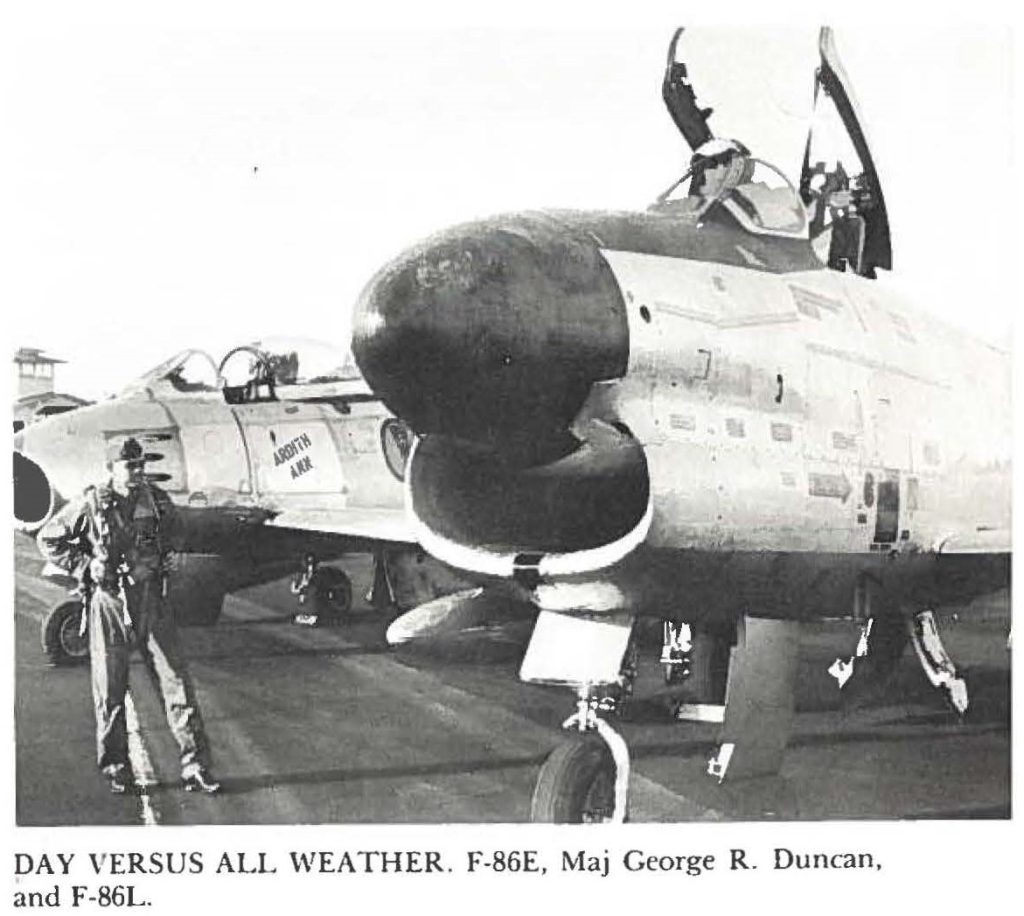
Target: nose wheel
[585,780]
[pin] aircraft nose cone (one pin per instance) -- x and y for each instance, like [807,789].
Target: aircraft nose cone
[494,330]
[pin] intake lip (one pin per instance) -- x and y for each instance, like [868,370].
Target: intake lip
[583,511]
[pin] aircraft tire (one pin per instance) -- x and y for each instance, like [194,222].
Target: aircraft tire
[62,645]
[331,591]
[576,784]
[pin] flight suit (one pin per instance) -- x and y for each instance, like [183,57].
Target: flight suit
[117,546]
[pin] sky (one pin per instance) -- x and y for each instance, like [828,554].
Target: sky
[205,186]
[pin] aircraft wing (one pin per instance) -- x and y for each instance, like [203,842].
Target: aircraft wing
[369,524]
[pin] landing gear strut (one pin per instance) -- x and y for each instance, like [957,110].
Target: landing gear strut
[881,644]
[586,779]
[382,593]
[698,656]
[938,666]
[676,646]
[326,592]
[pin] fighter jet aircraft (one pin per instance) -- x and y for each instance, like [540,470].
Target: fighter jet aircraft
[709,412]
[269,458]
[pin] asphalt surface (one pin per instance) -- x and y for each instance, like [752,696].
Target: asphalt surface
[328,725]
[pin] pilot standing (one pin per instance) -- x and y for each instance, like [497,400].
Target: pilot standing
[115,541]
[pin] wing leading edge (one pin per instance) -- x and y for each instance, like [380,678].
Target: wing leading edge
[388,525]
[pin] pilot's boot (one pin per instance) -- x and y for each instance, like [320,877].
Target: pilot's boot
[120,779]
[198,779]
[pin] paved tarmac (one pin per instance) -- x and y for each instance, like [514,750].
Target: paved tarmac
[331,726]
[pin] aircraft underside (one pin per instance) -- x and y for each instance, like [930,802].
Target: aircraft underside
[731,633]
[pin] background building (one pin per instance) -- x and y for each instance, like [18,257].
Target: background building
[34,380]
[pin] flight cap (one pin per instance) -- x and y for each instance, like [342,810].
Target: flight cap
[131,453]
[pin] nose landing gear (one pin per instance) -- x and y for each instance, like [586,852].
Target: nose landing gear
[586,779]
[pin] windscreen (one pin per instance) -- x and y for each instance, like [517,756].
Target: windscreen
[187,371]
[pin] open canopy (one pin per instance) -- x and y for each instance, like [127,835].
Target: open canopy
[767,106]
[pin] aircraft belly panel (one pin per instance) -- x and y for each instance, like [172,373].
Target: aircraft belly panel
[704,582]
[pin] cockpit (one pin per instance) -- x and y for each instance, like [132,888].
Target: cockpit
[723,175]
[837,205]
[277,369]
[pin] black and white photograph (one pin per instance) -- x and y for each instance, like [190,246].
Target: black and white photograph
[526,423]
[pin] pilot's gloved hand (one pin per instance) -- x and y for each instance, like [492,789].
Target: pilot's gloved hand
[168,563]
